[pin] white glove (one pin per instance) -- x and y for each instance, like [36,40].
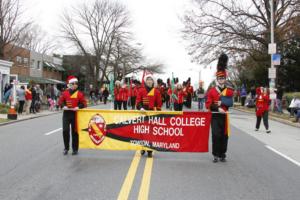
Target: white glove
[221,110]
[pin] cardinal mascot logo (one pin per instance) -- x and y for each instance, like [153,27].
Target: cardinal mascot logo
[97,129]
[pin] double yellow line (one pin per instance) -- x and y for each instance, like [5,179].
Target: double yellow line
[145,185]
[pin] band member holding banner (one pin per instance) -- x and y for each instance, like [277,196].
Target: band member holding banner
[148,98]
[124,96]
[71,100]
[118,96]
[219,99]
[179,95]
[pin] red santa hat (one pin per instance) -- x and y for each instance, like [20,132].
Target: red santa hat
[150,76]
[72,79]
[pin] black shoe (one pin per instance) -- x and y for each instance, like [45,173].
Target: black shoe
[74,153]
[143,152]
[223,159]
[215,159]
[149,154]
[65,152]
[268,131]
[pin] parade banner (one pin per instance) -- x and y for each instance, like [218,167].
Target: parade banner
[143,130]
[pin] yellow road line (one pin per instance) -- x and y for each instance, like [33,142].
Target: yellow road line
[144,189]
[126,187]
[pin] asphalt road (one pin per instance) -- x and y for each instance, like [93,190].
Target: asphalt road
[32,167]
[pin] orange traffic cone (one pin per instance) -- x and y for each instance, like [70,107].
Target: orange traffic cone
[12,114]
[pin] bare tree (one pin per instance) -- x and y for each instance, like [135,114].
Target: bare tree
[11,25]
[35,39]
[92,28]
[237,26]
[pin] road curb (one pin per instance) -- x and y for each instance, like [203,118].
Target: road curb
[297,125]
[33,117]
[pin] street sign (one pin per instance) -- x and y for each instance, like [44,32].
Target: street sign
[276,59]
[272,72]
[272,48]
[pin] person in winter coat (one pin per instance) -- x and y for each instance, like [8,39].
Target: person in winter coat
[71,100]
[118,96]
[133,94]
[148,98]
[21,98]
[125,96]
[180,94]
[28,98]
[243,95]
[105,95]
[262,108]
[219,99]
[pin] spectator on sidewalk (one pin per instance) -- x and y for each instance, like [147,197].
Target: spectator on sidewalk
[28,98]
[279,95]
[201,96]
[39,98]
[7,91]
[33,100]
[243,95]
[253,92]
[105,95]
[294,106]
[51,103]
[21,98]
[262,108]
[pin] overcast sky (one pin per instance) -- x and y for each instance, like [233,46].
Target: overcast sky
[156,25]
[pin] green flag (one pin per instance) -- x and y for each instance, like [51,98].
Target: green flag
[111,87]
[173,96]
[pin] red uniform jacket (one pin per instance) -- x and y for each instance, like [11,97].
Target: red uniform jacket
[72,99]
[133,92]
[213,96]
[180,96]
[190,89]
[262,104]
[124,94]
[118,94]
[149,100]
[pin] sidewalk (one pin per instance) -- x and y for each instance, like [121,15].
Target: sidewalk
[283,118]
[22,117]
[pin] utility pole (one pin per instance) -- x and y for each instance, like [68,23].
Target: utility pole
[272,69]
[272,80]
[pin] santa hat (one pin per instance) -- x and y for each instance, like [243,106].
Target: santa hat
[72,79]
[222,66]
[150,76]
[118,82]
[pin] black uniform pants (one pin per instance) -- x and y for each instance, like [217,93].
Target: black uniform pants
[265,119]
[69,119]
[117,105]
[189,100]
[219,138]
[178,106]
[132,102]
[124,105]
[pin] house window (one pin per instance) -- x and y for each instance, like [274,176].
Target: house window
[19,60]
[38,64]
[32,64]
[26,61]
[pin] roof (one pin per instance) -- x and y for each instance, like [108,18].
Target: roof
[40,80]
[54,66]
